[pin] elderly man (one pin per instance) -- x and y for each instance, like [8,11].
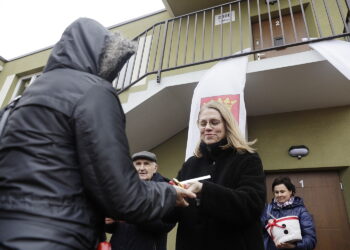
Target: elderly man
[146,165]
[146,236]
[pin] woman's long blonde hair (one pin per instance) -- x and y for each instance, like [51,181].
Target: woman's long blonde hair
[233,135]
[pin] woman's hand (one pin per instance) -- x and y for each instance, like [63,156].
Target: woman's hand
[195,187]
[286,245]
[181,194]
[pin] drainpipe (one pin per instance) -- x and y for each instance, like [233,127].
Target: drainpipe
[4,61]
[347,2]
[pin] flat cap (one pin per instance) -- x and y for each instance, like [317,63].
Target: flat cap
[144,155]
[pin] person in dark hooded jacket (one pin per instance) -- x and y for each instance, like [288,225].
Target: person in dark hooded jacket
[284,204]
[64,156]
[144,236]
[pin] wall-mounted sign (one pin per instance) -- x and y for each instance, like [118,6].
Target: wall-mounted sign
[224,18]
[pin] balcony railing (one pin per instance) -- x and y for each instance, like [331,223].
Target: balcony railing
[270,28]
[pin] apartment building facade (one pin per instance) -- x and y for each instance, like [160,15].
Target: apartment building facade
[295,99]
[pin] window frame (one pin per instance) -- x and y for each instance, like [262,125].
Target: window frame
[21,80]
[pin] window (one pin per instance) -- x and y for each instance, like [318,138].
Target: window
[278,41]
[23,83]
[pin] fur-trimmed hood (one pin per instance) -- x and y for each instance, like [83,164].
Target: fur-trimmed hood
[87,46]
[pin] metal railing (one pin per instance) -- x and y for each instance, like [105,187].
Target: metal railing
[224,31]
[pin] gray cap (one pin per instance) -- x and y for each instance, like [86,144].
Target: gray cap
[144,155]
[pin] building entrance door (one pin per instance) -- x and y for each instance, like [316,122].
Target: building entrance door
[289,36]
[323,197]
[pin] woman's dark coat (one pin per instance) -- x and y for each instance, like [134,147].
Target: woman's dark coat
[227,214]
[145,236]
[64,156]
[305,219]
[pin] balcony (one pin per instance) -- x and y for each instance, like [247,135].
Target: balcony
[226,30]
[284,75]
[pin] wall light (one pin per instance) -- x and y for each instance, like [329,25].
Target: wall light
[298,151]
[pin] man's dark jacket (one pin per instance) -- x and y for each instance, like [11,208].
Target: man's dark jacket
[227,214]
[144,236]
[64,156]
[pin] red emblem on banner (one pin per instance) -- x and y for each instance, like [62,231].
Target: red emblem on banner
[231,101]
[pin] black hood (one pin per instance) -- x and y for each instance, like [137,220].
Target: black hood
[87,46]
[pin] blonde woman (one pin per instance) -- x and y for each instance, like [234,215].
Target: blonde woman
[226,213]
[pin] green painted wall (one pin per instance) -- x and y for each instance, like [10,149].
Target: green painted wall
[324,131]
[133,29]
[171,154]
[332,18]
[21,67]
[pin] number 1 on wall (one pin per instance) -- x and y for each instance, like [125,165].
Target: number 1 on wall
[301,183]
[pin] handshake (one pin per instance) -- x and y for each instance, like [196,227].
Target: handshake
[187,189]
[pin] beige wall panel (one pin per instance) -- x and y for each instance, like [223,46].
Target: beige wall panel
[324,131]
[133,29]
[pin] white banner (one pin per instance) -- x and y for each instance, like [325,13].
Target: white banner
[225,83]
[337,53]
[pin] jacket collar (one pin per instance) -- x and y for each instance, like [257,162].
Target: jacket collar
[298,201]
[214,151]
[159,178]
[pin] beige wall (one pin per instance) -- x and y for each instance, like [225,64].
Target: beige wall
[21,67]
[171,154]
[133,29]
[324,131]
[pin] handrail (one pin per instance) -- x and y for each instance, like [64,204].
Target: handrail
[223,31]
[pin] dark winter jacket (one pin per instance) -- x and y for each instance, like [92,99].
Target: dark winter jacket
[144,236]
[64,156]
[226,215]
[305,219]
